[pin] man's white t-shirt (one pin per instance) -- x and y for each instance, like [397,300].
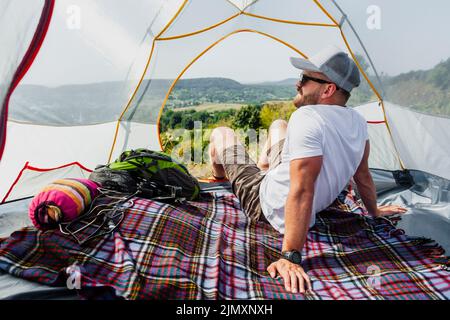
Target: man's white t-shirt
[338,134]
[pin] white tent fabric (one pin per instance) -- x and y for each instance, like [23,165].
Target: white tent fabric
[383,154]
[421,140]
[138,43]
[115,63]
[18,21]
[82,144]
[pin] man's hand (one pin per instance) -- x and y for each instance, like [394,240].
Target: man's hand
[293,275]
[389,210]
[367,190]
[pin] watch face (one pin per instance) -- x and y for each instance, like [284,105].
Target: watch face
[296,257]
[293,256]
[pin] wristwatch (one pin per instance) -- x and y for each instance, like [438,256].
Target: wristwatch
[293,256]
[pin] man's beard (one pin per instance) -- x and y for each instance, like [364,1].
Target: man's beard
[306,99]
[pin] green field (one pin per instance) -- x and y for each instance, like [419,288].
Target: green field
[212,107]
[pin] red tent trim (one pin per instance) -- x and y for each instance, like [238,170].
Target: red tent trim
[28,167]
[27,61]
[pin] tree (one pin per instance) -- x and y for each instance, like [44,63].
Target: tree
[273,111]
[187,123]
[248,118]
[440,75]
[175,120]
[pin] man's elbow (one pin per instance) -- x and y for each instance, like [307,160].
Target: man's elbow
[302,193]
[362,174]
[363,179]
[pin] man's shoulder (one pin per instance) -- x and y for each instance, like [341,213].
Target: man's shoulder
[305,111]
[324,111]
[305,119]
[313,113]
[361,118]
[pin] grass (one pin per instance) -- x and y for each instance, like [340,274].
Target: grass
[212,107]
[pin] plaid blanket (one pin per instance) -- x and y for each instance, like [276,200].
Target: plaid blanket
[210,250]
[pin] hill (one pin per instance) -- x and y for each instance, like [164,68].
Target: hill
[101,102]
[426,91]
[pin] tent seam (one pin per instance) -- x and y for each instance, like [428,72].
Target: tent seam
[142,78]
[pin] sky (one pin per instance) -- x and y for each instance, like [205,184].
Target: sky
[108,40]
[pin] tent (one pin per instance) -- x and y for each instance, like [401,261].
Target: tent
[48,45]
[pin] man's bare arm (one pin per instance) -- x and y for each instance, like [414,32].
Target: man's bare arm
[364,182]
[367,190]
[303,174]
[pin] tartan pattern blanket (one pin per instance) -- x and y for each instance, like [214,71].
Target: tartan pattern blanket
[210,250]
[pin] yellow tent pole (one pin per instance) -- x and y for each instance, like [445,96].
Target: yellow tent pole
[158,37]
[380,99]
[276,39]
[141,80]
[173,19]
[290,21]
[386,122]
[205,51]
[350,49]
[360,67]
[199,31]
[129,102]
[184,35]
[326,12]
[367,79]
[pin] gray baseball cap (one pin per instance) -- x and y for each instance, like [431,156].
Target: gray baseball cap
[335,64]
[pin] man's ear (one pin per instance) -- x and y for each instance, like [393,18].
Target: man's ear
[330,89]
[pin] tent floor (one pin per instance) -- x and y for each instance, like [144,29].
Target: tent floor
[14,216]
[428,216]
[428,204]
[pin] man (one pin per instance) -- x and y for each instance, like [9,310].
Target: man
[309,160]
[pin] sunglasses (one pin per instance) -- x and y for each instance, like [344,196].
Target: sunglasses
[304,78]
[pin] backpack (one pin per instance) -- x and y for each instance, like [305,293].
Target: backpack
[148,173]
